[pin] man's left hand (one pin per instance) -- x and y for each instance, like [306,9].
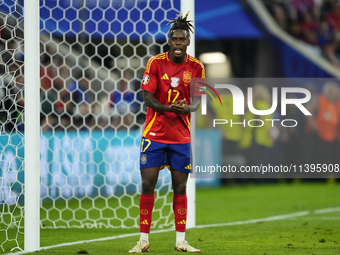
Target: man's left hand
[180,106]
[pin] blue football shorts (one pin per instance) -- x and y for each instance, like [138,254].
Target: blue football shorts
[176,156]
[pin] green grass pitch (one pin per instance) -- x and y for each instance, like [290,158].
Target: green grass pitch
[313,232]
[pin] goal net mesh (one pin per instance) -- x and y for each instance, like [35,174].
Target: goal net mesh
[93,55]
[11,125]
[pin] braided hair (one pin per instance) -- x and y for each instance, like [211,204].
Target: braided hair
[181,23]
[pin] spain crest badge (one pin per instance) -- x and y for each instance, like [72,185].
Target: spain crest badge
[143,159]
[186,77]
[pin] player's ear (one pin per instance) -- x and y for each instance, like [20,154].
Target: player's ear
[189,41]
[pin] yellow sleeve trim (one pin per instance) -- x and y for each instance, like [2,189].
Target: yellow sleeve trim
[148,65]
[200,63]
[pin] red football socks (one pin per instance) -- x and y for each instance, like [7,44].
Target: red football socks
[180,204]
[146,203]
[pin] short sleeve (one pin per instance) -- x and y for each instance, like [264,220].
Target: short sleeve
[202,72]
[198,81]
[149,81]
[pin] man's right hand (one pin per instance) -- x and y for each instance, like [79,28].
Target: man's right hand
[180,106]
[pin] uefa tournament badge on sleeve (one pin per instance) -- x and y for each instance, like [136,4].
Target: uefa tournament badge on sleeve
[146,79]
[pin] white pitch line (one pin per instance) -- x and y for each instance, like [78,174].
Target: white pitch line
[271,218]
[318,219]
[327,210]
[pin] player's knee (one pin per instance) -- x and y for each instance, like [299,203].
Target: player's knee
[180,188]
[148,186]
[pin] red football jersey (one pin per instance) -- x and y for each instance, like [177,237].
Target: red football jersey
[169,82]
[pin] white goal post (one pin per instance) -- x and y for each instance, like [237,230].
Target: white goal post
[191,186]
[32,125]
[73,56]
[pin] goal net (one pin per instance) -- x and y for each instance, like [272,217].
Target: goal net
[11,125]
[93,55]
